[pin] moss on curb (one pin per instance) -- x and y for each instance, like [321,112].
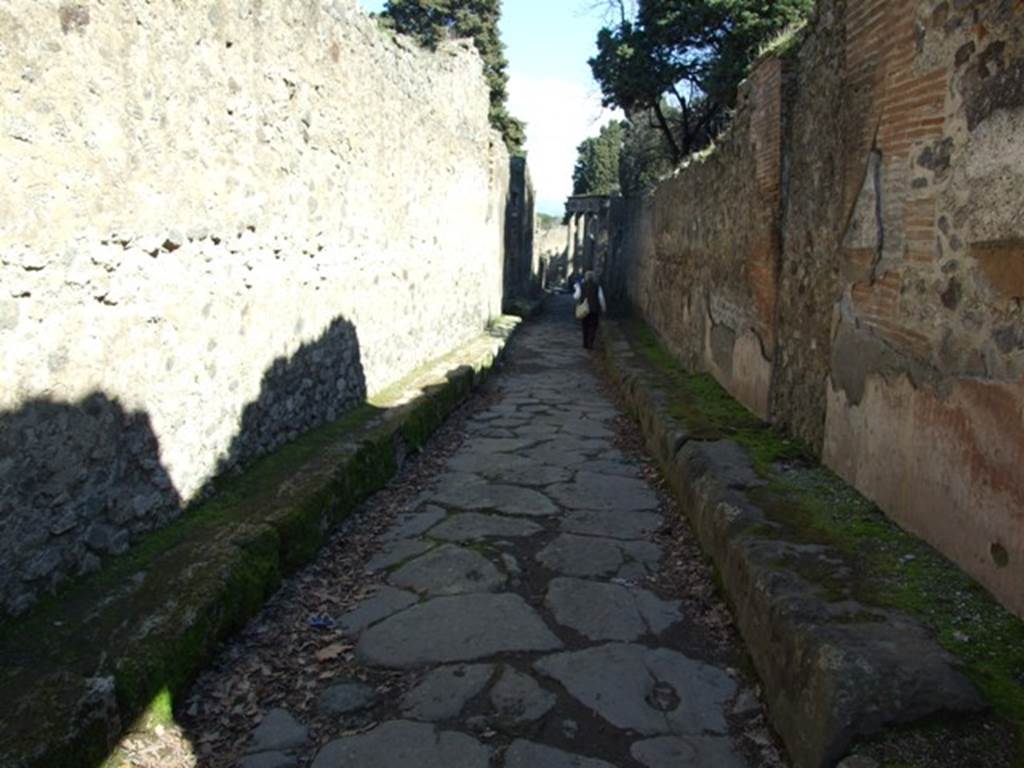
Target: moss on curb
[884,566]
[143,627]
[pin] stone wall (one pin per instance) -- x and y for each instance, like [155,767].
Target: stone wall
[700,250]
[551,247]
[222,224]
[888,310]
[522,273]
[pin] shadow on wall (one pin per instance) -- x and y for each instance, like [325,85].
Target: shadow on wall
[82,481]
[312,387]
[77,482]
[520,278]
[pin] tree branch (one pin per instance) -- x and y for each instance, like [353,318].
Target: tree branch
[666,129]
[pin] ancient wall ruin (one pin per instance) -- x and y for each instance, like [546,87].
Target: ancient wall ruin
[522,275]
[221,224]
[850,263]
[550,243]
[700,252]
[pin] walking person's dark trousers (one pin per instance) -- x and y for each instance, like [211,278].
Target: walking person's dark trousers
[590,323]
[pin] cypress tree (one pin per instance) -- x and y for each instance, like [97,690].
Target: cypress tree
[597,162]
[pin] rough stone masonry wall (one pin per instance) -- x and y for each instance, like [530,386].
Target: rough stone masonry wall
[551,248]
[222,223]
[521,265]
[898,319]
[701,250]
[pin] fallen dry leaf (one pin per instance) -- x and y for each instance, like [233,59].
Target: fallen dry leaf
[332,651]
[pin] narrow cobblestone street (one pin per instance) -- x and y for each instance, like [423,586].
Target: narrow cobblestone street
[531,598]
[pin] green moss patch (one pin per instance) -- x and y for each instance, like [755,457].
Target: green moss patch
[875,562]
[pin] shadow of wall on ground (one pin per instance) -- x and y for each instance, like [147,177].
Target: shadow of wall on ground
[78,481]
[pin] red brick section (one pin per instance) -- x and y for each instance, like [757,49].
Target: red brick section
[906,109]
[766,138]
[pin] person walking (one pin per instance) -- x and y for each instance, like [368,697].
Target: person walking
[590,291]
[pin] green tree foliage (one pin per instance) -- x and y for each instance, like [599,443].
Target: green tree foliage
[548,221]
[645,158]
[597,162]
[689,55]
[432,21]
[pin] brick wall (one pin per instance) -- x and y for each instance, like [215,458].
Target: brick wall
[865,214]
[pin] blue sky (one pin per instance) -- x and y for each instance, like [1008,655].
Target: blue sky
[548,43]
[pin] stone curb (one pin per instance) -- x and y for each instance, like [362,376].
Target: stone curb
[85,668]
[828,680]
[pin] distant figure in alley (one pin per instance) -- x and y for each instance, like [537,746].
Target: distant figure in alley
[590,304]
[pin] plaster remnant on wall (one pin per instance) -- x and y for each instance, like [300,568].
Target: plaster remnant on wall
[721,341]
[959,452]
[857,354]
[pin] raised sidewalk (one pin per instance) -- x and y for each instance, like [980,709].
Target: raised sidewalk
[853,626]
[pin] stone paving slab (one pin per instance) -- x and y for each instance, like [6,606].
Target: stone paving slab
[537,475]
[411,524]
[346,698]
[603,492]
[470,492]
[462,628]
[497,445]
[571,555]
[652,692]
[609,467]
[688,752]
[443,693]
[269,760]
[472,526]
[385,602]
[658,614]
[487,465]
[403,743]
[448,570]
[278,731]
[526,754]
[604,611]
[568,448]
[397,552]
[598,611]
[612,524]
[519,698]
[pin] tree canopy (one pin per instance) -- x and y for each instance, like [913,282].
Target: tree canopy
[645,159]
[597,162]
[432,21]
[687,56]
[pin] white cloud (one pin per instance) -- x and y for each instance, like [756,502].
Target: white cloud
[559,114]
